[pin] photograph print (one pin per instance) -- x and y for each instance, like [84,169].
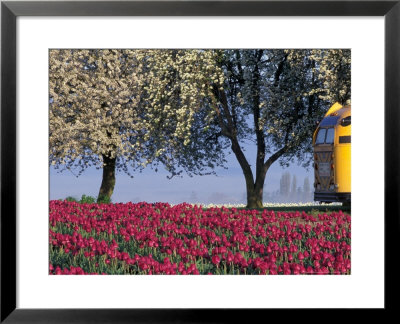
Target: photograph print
[200,161]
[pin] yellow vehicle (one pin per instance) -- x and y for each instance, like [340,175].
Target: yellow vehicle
[332,156]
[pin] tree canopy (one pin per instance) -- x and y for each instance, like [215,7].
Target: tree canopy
[109,110]
[272,98]
[94,111]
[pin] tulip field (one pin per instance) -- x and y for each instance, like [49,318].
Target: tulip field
[143,239]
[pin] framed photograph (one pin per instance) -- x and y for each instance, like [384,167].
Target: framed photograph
[162,89]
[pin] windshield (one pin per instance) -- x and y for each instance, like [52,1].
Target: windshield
[325,136]
[330,133]
[321,136]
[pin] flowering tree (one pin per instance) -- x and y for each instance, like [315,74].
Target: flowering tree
[274,98]
[176,89]
[270,97]
[109,110]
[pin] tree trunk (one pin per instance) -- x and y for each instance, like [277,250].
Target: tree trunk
[108,181]
[255,192]
[255,198]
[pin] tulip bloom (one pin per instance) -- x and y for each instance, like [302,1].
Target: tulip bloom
[184,239]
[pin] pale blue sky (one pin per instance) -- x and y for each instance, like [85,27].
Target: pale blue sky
[150,186]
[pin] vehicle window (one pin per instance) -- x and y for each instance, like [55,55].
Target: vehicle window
[344,139]
[330,135]
[320,136]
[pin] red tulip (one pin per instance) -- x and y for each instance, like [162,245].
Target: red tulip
[216,260]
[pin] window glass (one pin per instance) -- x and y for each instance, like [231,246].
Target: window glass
[330,135]
[320,136]
[344,139]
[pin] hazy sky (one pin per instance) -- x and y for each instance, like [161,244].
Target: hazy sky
[150,186]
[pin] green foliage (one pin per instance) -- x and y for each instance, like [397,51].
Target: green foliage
[90,199]
[103,200]
[87,200]
[70,198]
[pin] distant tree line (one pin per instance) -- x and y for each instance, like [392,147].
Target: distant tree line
[290,190]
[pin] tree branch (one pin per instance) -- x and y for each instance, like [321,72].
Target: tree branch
[275,156]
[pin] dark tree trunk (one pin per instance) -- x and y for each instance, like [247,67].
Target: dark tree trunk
[255,192]
[255,198]
[108,181]
[255,188]
[227,122]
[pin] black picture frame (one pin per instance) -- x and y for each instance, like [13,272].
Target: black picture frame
[10,10]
